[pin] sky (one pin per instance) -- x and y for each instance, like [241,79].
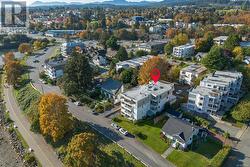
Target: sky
[82,1]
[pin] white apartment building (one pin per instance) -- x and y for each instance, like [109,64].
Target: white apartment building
[227,82]
[184,51]
[54,69]
[68,47]
[204,100]
[190,73]
[217,91]
[146,100]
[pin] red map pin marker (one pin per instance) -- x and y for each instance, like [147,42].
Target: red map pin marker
[155,75]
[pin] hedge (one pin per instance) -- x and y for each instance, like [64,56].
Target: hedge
[220,157]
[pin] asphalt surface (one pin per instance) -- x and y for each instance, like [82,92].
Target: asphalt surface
[240,156]
[43,151]
[100,123]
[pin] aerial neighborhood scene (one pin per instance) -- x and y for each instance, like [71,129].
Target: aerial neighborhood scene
[117,83]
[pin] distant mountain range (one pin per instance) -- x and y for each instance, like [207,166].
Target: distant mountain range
[126,3]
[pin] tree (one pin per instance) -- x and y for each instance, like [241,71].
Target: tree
[25,48]
[180,39]
[204,44]
[215,59]
[131,55]
[81,151]
[170,33]
[174,73]
[13,71]
[37,45]
[238,54]
[54,118]
[9,56]
[232,41]
[78,74]
[148,66]
[112,43]
[122,54]
[140,53]
[168,49]
[241,111]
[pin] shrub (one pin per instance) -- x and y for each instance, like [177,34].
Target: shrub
[220,157]
[30,159]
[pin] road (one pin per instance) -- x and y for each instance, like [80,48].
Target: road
[240,156]
[100,123]
[43,151]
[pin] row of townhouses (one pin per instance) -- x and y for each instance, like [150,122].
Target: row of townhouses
[217,93]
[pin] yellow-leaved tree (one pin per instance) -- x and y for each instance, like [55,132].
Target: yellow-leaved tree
[82,151]
[54,118]
[155,62]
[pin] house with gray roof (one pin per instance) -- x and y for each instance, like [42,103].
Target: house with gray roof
[110,88]
[180,132]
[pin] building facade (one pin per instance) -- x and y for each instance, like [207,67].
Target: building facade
[190,73]
[68,47]
[146,100]
[217,92]
[184,51]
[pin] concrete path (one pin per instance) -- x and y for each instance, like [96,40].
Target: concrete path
[167,152]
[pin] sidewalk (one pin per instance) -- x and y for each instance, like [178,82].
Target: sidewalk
[43,151]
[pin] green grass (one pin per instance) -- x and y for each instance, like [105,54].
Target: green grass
[20,137]
[146,132]
[119,156]
[198,157]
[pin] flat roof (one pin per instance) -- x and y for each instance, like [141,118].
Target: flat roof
[205,91]
[194,68]
[144,91]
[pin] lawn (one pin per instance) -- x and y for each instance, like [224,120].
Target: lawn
[116,156]
[198,157]
[146,132]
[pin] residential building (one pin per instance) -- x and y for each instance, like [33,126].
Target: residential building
[184,51]
[220,40]
[132,63]
[190,73]
[68,47]
[100,60]
[180,132]
[217,93]
[200,55]
[54,68]
[153,46]
[204,100]
[227,82]
[146,100]
[155,29]
[61,33]
[110,88]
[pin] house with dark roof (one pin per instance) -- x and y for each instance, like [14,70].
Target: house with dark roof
[181,132]
[110,88]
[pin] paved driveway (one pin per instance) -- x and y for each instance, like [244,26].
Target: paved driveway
[227,128]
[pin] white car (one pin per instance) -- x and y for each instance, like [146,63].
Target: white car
[31,150]
[115,126]
[14,126]
[77,103]
[123,131]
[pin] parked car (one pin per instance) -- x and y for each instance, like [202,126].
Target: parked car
[36,61]
[95,113]
[123,131]
[114,125]
[14,126]
[31,150]
[78,103]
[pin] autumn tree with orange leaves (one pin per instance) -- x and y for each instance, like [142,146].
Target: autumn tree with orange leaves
[54,118]
[148,66]
[25,48]
[12,68]
[81,151]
